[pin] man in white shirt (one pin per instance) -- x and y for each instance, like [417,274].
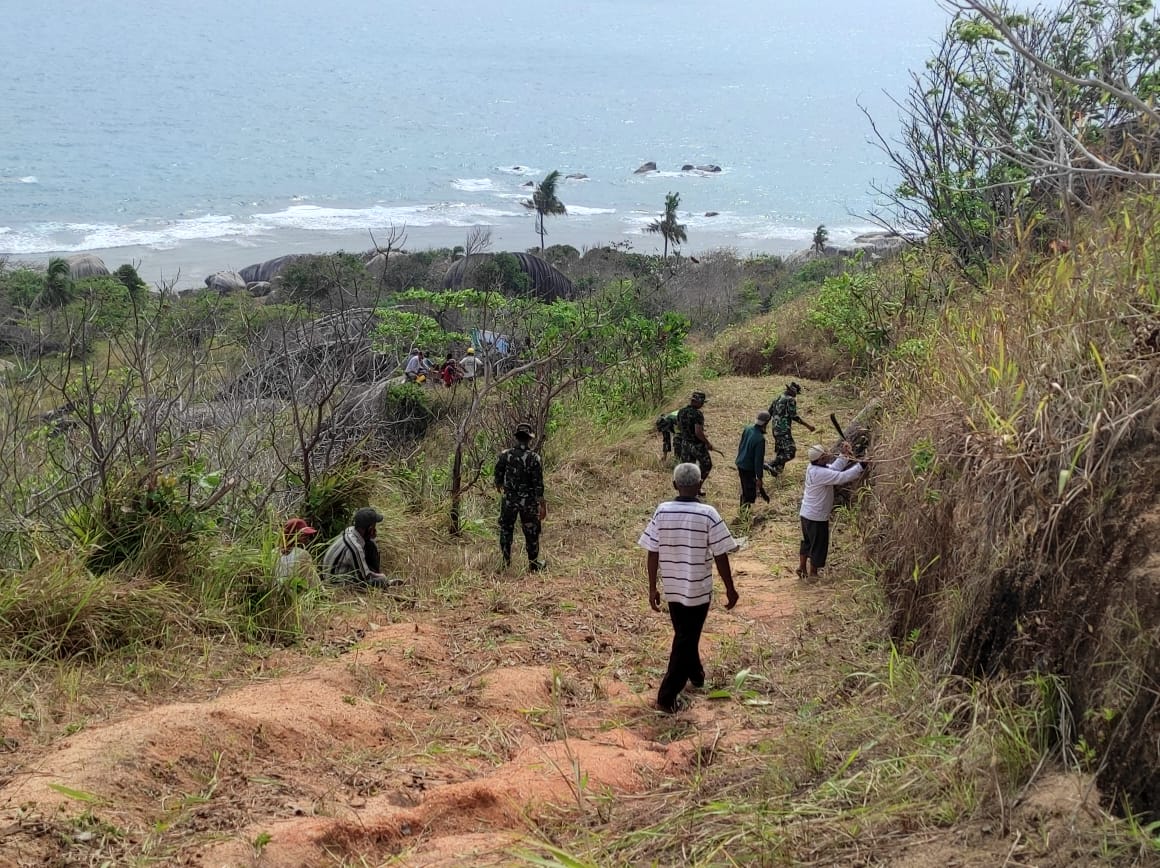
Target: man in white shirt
[684,539]
[414,366]
[824,472]
[470,364]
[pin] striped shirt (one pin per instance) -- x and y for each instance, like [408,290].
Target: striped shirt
[687,535]
[346,558]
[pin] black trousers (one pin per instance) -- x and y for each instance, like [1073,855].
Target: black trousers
[685,656]
[528,512]
[815,543]
[748,487]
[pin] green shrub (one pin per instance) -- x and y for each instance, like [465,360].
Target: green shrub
[333,498]
[22,286]
[503,273]
[314,278]
[131,280]
[407,410]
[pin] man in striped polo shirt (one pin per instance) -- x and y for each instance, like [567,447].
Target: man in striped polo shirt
[683,540]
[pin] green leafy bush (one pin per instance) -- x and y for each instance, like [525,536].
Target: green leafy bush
[22,286]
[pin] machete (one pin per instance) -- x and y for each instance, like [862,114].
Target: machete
[837,427]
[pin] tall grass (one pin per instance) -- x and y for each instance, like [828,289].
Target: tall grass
[1012,492]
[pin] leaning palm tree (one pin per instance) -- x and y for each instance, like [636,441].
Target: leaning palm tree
[821,236]
[672,231]
[58,285]
[545,203]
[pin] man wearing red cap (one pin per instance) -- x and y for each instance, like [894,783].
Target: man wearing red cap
[295,562]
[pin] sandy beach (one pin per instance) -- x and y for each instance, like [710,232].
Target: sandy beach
[187,264]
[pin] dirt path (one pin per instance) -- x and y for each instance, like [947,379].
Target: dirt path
[439,740]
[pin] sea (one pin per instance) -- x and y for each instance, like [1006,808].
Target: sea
[189,137]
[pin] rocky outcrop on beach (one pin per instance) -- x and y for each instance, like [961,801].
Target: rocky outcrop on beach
[226,281]
[708,168]
[84,265]
[548,283]
[264,272]
[875,245]
[645,168]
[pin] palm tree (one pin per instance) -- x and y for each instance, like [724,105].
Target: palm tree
[545,203]
[821,236]
[58,285]
[672,231]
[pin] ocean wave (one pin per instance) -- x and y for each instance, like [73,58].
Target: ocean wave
[586,211]
[76,237]
[677,173]
[314,217]
[24,179]
[473,185]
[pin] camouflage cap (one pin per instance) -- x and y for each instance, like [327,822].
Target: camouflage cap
[698,397]
[794,387]
[525,430]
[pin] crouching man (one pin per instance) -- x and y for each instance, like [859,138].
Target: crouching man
[353,557]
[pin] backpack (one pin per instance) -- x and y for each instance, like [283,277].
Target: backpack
[666,424]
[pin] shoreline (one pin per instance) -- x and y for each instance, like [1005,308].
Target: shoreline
[186,264]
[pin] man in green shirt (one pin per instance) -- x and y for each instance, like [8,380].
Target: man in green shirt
[750,458]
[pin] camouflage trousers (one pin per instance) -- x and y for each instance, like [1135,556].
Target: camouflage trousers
[528,512]
[784,450]
[695,453]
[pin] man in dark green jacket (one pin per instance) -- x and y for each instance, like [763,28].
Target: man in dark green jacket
[750,460]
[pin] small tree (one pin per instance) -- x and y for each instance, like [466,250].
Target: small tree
[545,202]
[821,236]
[131,280]
[672,231]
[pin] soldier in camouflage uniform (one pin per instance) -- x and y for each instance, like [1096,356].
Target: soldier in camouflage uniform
[691,442]
[783,412]
[519,475]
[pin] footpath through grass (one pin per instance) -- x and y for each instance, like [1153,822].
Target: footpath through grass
[491,717]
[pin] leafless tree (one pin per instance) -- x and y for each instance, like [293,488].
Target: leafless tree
[1018,112]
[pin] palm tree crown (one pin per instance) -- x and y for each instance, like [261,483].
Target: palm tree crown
[544,202]
[672,231]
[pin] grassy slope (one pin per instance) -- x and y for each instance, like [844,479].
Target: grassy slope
[824,744]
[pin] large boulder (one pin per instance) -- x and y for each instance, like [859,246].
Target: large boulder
[709,169]
[226,281]
[576,176]
[688,167]
[650,166]
[264,272]
[84,265]
[548,283]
